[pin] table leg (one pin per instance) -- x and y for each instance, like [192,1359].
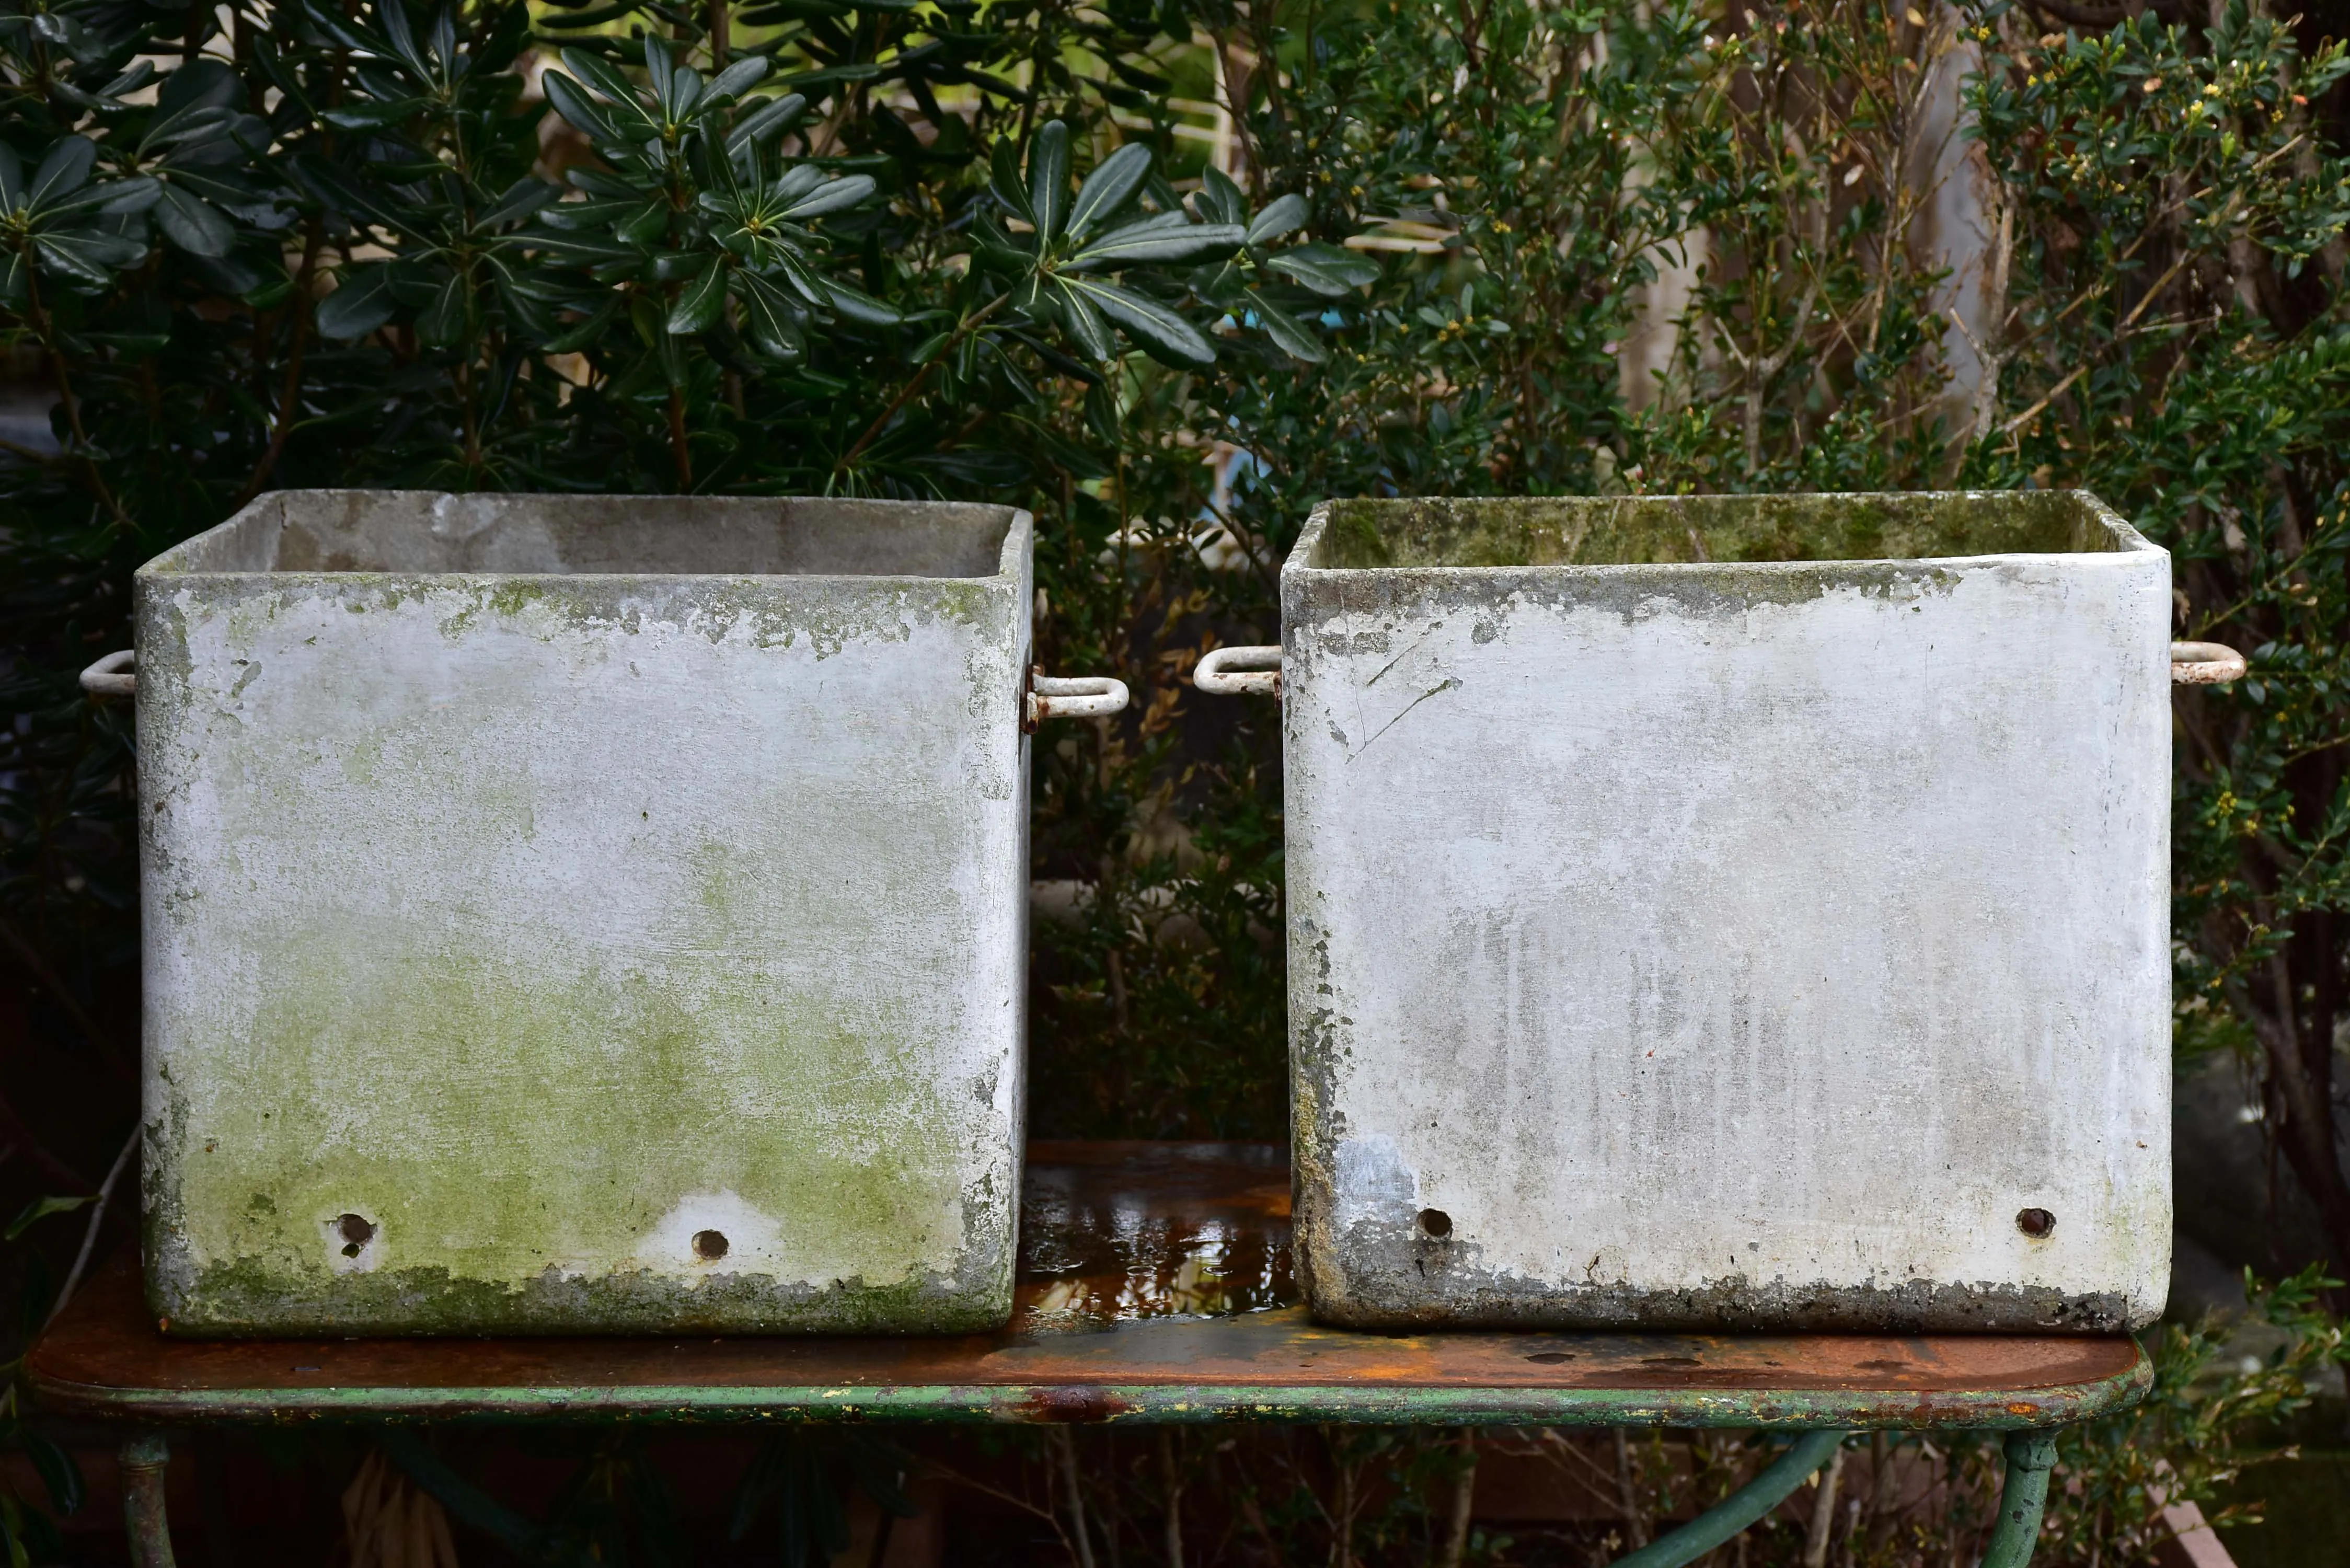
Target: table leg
[143,1459]
[1742,1507]
[2030,1456]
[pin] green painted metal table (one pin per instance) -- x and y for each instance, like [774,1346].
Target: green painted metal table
[1155,1286]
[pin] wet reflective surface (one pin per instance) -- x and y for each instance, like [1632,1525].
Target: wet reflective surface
[1110,1232]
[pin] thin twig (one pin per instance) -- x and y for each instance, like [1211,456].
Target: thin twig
[1050,1515]
[906,394]
[2155,293]
[1636,1523]
[43,327]
[1172,1475]
[1464,1491]
[89,1235]
[2026,416]
[55,1169]
[48,978]
[1823,1503]
[1058,1440]
[29,453]
[288,401]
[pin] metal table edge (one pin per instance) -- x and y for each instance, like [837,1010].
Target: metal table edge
[1366,1404]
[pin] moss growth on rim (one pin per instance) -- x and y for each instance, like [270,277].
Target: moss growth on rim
[1667,530]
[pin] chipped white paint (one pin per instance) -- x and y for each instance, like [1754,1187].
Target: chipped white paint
[547,881]
[1731,945]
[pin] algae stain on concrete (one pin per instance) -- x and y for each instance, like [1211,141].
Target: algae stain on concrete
[510,941]
[595,1105]
[1700,529]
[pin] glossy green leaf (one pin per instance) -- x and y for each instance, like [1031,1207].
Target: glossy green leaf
[572,102]
[661,74]
[1005,184]
[1101,413]
[628,114]
[736,80]
[114,198]
[858,307]
[87,256]
[189,223]
[1166,245]
[441,323]
[1327,270]
[587,332]
[1220,201]
[998,251]
[700,301]
[361,303]
[1048,181]
[523,198]
[1282,216]
[364,115]
[1295,339]
[62,171]
[38,1210]
[765,121]
[1078,315]
[833,196]
[647,224]
[596,250]
[1108,188]
[771,320]
[1162,334]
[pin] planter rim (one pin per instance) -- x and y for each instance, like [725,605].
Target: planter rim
[2127,540]
[1019,525]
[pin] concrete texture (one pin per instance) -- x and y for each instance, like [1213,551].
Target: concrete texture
[583,914]
[1730,912]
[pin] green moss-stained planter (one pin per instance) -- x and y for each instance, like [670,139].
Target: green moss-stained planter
[582,914]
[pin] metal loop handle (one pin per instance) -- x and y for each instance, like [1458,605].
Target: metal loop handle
[2203,664]
[1074,697]
[106,677]
[1240,672]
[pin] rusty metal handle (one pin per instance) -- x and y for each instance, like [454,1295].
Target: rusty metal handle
[1074,697]
[2199,664]
[1240,672]
[109,677]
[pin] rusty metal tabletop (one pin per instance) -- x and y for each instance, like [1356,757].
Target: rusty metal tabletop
[1155,1286]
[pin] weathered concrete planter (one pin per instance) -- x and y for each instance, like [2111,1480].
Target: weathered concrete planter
[583,914]
[1745,912]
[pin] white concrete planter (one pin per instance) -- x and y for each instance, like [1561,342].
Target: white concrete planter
[1697,919]
[585,914]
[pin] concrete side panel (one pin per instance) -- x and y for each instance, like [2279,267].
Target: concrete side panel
[1669,954]
[582,953]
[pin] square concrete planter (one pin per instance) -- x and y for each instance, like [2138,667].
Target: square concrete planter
[1736,912]
[577,914]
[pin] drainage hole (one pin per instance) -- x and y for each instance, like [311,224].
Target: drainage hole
[1435,1222]
[357,1231]
[1550,1357]
[2035,1222]
[710,1244]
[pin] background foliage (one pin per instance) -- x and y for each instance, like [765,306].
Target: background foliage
[1167,274]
